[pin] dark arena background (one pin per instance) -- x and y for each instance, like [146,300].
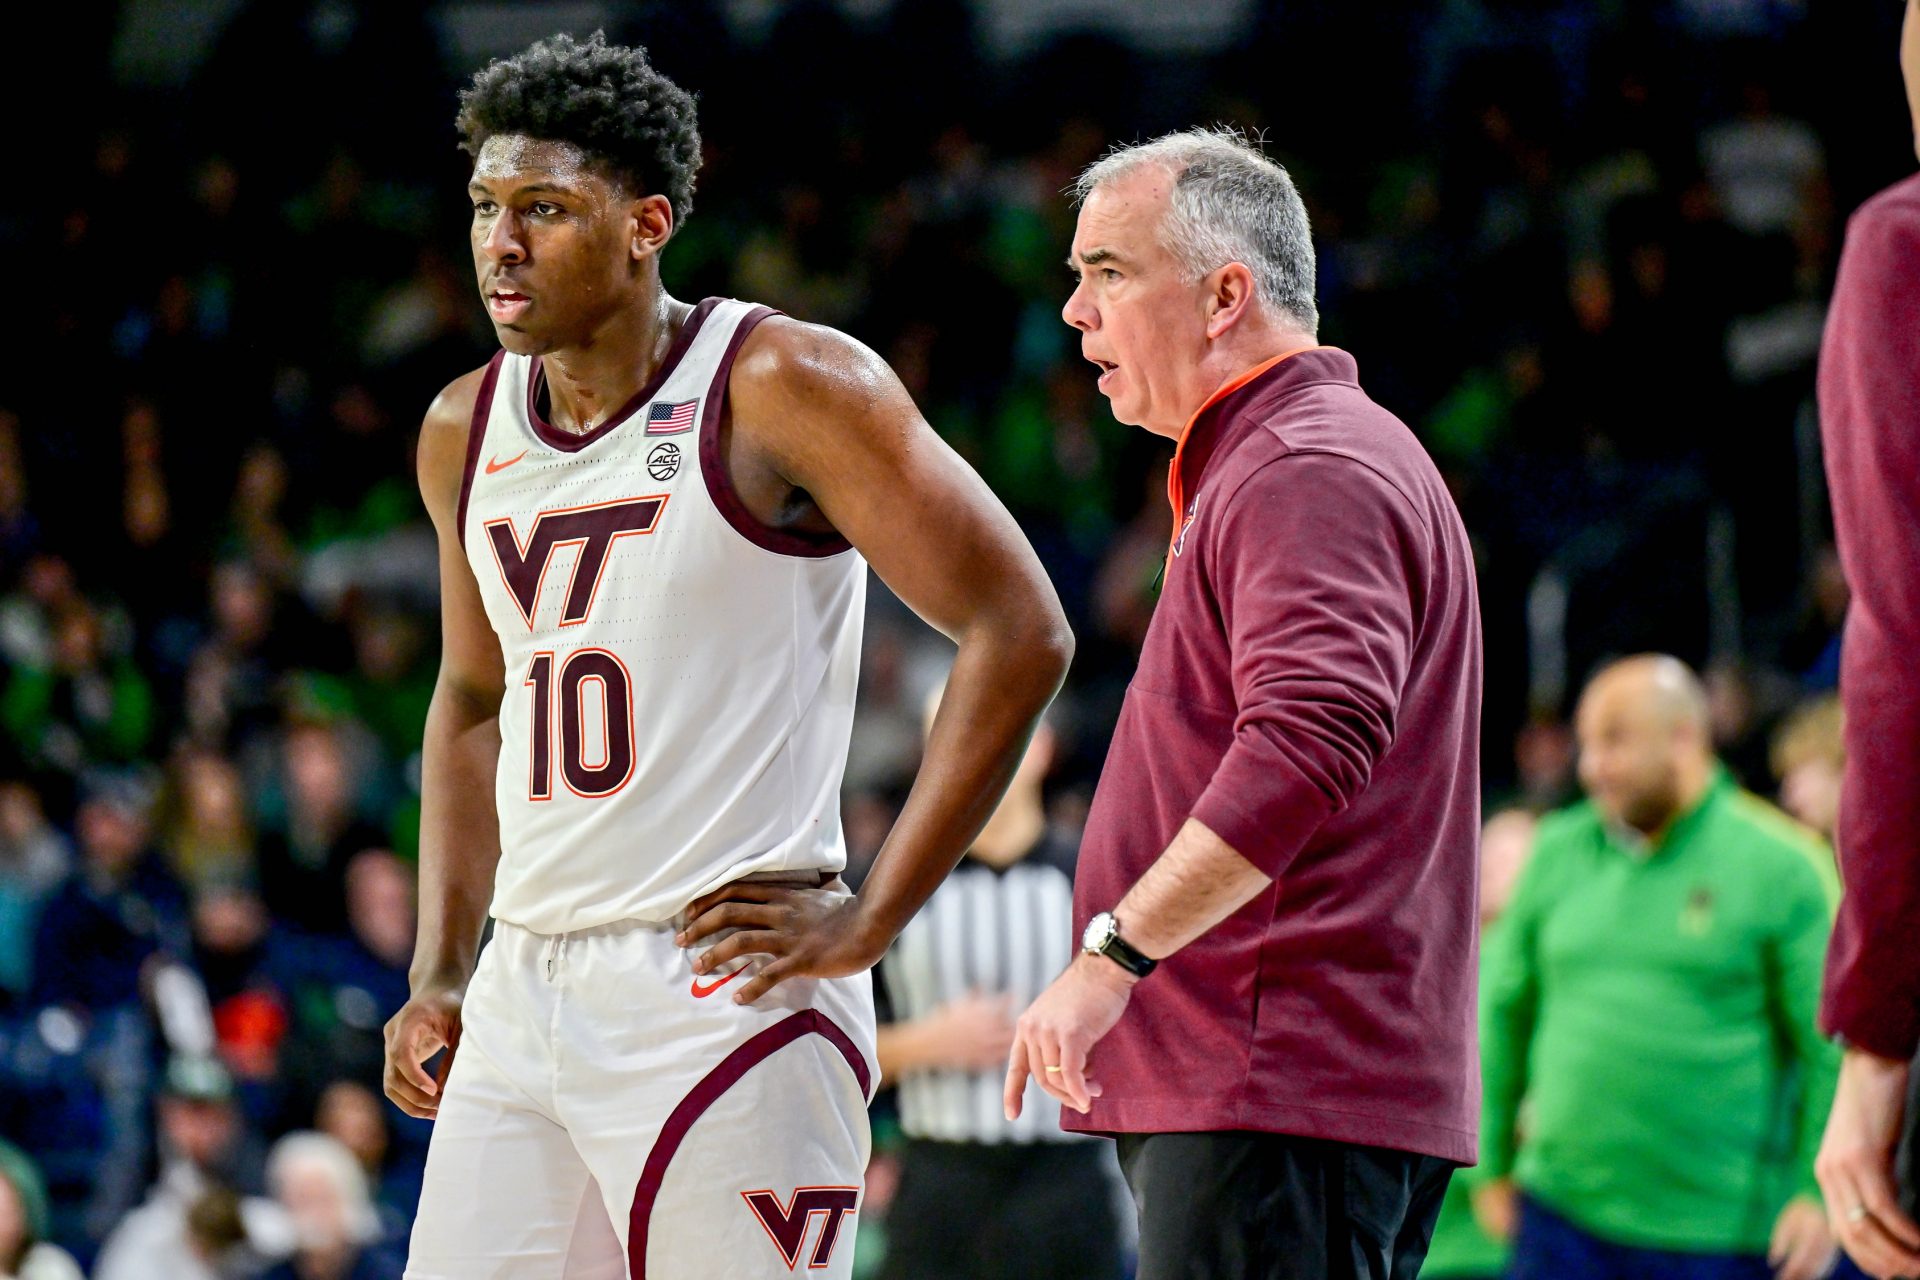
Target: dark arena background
[1583,249]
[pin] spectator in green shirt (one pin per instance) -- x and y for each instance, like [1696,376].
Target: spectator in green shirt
[1649,996]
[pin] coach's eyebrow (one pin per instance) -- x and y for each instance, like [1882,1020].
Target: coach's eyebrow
[1092,258]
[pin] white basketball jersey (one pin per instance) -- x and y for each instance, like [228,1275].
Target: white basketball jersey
[680,679]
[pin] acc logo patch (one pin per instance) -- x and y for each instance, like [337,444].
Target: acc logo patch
[664,462]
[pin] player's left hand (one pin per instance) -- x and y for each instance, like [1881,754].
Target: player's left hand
[807,933]
[1058,1031]
[1802,1248]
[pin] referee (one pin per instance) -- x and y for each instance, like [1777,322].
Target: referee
[983,1197]
[1287,822]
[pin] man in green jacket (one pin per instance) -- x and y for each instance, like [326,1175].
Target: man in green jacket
[1655,1083]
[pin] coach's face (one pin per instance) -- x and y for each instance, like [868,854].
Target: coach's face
[559,248]
[1138,321]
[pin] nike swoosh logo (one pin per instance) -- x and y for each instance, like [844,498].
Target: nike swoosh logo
[494,464]
[701,993]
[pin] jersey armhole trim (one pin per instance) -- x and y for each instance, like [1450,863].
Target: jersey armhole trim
[719,481]
[476,436]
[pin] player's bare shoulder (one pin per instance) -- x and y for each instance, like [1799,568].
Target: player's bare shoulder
[792,378]
[443,442]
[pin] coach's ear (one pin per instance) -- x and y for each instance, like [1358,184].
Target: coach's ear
[1229,295]
[650,224]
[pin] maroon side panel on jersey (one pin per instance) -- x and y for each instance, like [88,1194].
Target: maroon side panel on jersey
[476,433]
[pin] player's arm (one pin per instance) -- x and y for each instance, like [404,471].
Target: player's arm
[459,829]
[833,420]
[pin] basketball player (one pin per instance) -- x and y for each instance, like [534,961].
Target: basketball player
[655,523]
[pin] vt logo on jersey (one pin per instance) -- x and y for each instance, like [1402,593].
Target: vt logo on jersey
[592,528]
[787,1224]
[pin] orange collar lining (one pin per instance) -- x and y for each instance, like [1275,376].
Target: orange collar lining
[1175,489]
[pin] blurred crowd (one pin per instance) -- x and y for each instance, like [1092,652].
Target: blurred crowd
[1582,248]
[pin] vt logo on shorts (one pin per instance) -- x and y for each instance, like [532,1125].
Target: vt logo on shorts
[787,1224]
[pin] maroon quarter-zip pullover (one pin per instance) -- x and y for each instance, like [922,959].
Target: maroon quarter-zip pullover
[1870,423]
[1310,690]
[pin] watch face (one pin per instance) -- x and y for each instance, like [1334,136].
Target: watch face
[1099,930]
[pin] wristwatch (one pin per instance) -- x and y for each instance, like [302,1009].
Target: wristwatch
[1102,938]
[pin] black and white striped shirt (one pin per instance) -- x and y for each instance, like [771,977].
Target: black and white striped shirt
[987,931]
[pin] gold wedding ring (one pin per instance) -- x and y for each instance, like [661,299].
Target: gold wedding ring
[1050,1070]
[1857,1213]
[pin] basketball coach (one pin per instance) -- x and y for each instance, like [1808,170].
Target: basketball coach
[1870,426]
[1273,1011]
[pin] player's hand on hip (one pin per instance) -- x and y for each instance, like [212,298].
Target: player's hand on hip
[1057,1032]
[806,933]
[1855,1166]
[426,1024]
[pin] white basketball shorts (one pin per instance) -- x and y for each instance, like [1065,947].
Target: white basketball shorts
[609,1115]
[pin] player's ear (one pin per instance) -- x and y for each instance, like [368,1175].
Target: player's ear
[650,225]
[1229,295]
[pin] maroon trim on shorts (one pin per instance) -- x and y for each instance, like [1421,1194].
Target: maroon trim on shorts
[713,466]
[476,436]
[743,1059]
[567,441]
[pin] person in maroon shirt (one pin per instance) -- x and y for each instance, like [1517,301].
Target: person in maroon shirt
[1869,394]
[1288,818]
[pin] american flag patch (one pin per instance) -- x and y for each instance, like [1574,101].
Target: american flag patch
[670,419]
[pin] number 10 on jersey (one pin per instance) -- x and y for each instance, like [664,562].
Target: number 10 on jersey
[587,681]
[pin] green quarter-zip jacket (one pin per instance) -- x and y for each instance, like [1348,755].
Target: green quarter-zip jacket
[1654,1008]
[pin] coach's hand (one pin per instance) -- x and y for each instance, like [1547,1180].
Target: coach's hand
[808,933]
[1058,1030]
[426,1024]
[1855,1166]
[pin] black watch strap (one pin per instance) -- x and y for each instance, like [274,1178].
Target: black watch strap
[1127,956]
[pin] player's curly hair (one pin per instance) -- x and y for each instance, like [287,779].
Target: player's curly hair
[634,124]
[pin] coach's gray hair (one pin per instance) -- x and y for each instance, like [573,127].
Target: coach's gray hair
[1230,203]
